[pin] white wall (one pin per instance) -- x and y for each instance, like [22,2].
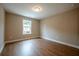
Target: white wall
[62,27]
[1,28]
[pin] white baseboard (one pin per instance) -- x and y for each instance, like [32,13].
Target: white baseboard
[19,40]
[13,41]
[61,42]
[1,49]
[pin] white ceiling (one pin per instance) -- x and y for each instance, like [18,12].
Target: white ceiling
[25,9]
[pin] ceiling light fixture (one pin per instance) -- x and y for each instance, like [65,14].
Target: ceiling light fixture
[37,9]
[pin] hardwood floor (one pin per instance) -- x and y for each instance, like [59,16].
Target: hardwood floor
[38,47]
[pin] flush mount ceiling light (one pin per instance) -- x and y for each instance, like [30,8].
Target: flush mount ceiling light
[37,8]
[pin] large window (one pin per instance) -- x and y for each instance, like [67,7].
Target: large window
[27,26]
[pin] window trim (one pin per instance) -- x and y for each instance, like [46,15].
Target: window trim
[26,25]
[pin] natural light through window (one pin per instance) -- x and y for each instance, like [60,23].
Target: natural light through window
[27,26]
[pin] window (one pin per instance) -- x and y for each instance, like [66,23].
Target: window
[26,26]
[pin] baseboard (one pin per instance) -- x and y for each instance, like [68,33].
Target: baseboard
[19,40]
[2,48]
[71,45]
[13,41]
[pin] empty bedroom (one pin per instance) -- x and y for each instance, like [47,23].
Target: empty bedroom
[39,29]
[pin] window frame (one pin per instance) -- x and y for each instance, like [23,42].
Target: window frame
[30,31]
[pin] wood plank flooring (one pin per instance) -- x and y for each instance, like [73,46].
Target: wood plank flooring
[38,47]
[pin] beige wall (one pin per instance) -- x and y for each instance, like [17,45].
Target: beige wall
[62,27]
[1,28]
[78,22]
[14,27]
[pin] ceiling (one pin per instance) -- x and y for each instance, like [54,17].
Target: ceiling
[48,9]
